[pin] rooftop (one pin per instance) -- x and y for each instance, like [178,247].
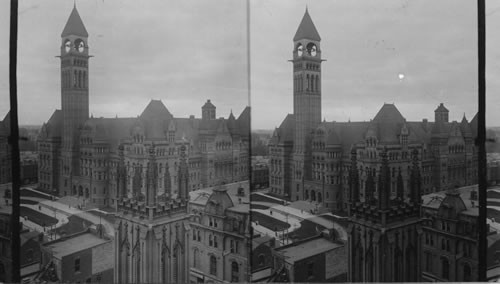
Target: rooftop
[201,196]
[302,250]
[434,200]
[66,246]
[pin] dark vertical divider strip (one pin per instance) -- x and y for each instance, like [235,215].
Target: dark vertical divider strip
[480,140]
[14,143]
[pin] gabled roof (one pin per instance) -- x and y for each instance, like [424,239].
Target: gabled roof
[306,29]
[74,25]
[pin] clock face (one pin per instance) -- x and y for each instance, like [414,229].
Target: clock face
[300,49]
[67,45]
[312,49]
[79,45]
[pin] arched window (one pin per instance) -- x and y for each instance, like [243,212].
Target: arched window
[79,79]
[195,257]
[262,260]
[84,83]
[75,75]
[319,197]
[445,268]
[467,272]
[317,83]
[235,274]
[213,265]
[210,241]
[313,195]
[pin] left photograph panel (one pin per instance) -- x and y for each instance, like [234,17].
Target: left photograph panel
[6,265]
[135,157]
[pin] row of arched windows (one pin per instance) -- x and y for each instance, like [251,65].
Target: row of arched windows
[311,83]
[79,79]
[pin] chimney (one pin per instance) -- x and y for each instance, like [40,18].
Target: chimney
[424,122]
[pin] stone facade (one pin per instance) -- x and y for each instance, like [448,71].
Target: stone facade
[80,156]
[310,159]
[450,237]
[220,234]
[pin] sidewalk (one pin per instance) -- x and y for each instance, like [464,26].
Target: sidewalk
[65,209]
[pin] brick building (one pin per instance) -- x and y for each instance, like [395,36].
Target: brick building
[316,259]
[82,257]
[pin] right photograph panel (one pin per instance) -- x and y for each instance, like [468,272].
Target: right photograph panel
[364,162]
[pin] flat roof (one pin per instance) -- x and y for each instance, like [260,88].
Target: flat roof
[307,249]
[63,247]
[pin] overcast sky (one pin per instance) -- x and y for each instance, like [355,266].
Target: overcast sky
[182,52]
[367,44]
[185,52]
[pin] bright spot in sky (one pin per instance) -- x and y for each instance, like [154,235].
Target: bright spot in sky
[401,76]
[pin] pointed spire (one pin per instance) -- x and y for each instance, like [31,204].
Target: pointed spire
[306,29]
[74,25]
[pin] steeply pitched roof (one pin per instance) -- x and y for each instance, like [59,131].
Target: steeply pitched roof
[389,113]
[208,104]
[155,110]
[441,108]
[74,25]
[5,125]
[286,131]
[306,29]
[53,127]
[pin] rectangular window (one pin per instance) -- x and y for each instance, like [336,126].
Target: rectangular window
[310,269]
[77,265]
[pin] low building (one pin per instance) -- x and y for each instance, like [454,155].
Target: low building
[30,253]
[493,257]
[450,235]
[82,257]
[220,234]
[262,258]
[5,246]
[316,259]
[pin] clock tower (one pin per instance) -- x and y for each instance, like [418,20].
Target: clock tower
[74,95]
[306,97]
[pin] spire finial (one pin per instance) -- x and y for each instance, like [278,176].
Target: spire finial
[74,4]
[306,9]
